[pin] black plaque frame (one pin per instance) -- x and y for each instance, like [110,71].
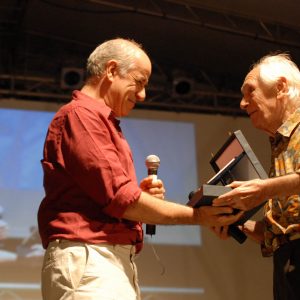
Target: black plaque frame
[235,160]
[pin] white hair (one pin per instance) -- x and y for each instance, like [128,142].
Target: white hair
[119,49]
[274,66]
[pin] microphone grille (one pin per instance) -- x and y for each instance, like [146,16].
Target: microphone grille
[152,161]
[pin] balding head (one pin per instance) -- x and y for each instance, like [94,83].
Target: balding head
[123,51]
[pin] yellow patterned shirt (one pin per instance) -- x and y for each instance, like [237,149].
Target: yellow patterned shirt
[282,218]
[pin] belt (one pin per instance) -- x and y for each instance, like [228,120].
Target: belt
[132,248]
[58,241]
[280,240]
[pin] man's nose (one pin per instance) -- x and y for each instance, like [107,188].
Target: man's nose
[141,95]
[244,103]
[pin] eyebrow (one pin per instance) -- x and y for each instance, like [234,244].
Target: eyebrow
[245,86]
[143,78]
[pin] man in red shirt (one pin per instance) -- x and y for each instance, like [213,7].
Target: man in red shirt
[90,220]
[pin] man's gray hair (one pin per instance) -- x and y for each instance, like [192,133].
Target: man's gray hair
[274,66]
[119,49]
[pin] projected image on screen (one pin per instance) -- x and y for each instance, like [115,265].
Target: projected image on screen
[174,144]
[22,135]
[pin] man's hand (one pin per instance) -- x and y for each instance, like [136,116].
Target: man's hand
[221,231]
[244,196]
[217,216]
[153,187]
[254,230]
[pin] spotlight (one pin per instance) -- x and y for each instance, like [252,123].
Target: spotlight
[71,78]
[183,86]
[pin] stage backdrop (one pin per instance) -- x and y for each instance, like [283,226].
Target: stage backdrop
[179,262]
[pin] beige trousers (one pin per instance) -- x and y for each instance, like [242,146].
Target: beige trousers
[79,271]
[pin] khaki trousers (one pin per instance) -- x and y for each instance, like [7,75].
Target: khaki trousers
[79,271]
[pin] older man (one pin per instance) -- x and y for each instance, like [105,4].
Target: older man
[271,98]
[90,218]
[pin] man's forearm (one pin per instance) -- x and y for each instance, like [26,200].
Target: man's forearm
[281,186]
[151,210]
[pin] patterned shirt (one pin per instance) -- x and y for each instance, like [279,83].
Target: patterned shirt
[282,217]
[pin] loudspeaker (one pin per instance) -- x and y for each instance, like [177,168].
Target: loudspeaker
[71,78]
[183,87]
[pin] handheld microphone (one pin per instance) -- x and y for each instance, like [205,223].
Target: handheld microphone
[152,163]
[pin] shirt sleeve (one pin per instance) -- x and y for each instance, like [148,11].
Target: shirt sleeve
[94,155]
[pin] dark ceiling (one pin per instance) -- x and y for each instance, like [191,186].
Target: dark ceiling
[201,50]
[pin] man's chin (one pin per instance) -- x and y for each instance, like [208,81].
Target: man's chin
[253,118]
[125,113]
[254,123]
[130,108]
[260,127]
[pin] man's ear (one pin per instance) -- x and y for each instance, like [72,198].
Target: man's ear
[111,69]
[282,86]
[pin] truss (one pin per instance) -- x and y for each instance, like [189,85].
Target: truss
[159,97]
[193,12]
[33,83]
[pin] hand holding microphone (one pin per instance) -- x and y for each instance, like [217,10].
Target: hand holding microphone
[152,163]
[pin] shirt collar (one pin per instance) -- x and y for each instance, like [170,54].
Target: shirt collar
[290,124]
[113,118]
[287,128]
[78,96]
[106,110]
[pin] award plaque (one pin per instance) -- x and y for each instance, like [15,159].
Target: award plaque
[234,161]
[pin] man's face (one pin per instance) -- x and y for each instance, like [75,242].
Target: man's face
[128,89]
[261,103]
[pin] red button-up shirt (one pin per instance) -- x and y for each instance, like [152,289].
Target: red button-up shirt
[89,177]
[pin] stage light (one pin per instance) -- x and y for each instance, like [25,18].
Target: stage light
[183,86]
[71,78]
